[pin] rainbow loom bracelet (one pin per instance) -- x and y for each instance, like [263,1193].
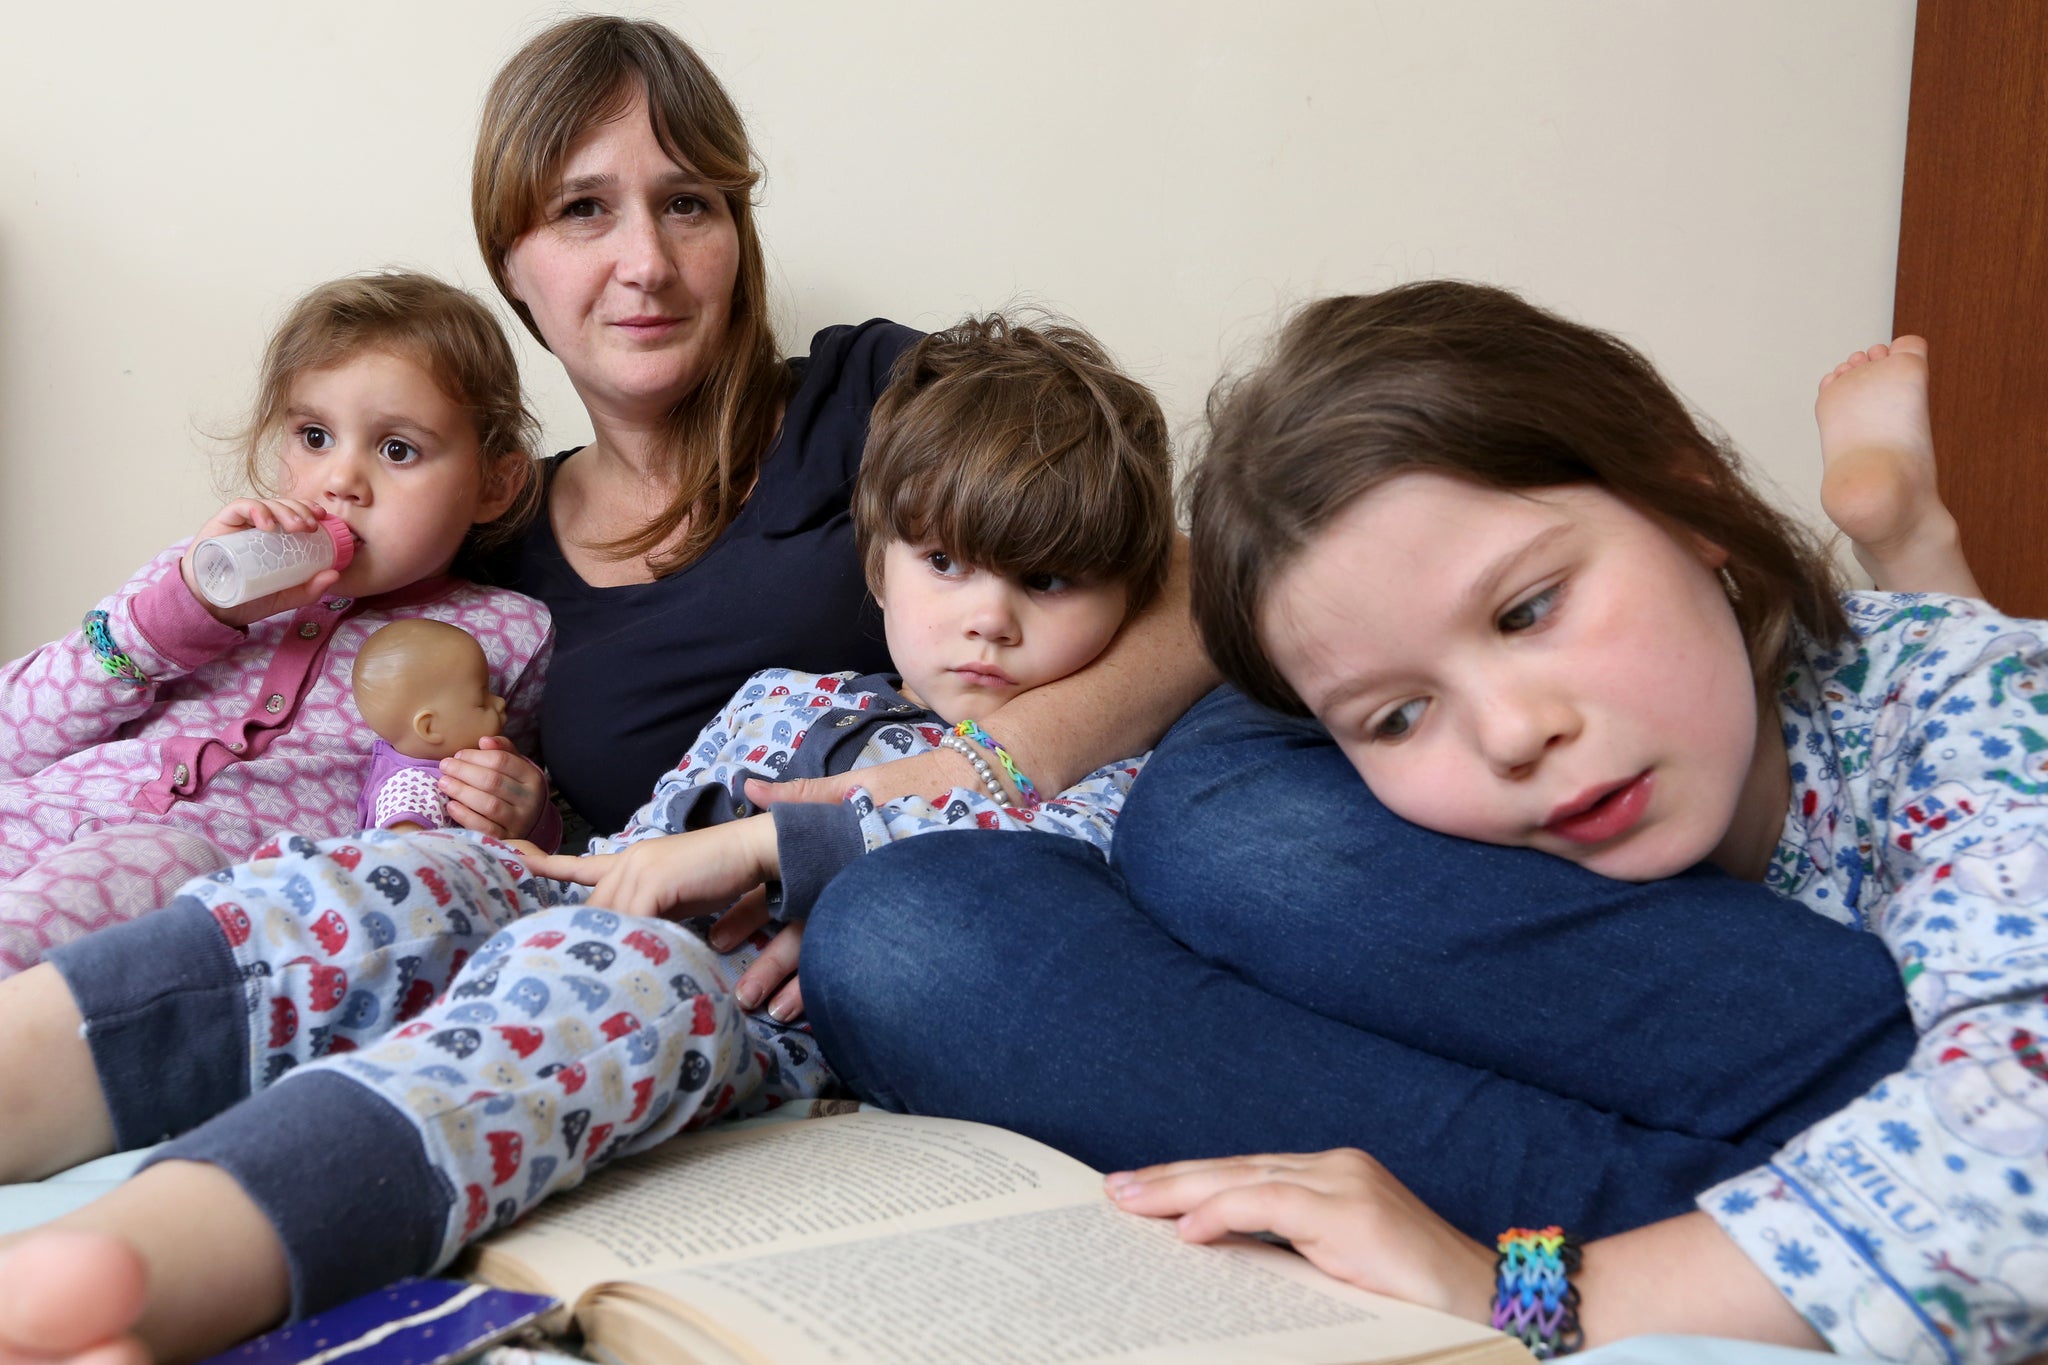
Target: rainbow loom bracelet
[101,641]
[968,729]
[1535,1300]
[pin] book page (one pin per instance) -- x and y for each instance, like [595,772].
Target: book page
[767,1186]
[1076,1284]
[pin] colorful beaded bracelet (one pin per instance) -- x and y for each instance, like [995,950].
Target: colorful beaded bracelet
[968,729]
[1535,1300]
[100,640]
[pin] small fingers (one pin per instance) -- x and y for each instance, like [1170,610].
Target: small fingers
[1165,1191]
[483,799]
[1176,1187]
[469,817]
[1279,1207]
[737,924]
[567,867]
[281,514]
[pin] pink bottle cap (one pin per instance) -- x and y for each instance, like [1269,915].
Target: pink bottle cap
[343,538]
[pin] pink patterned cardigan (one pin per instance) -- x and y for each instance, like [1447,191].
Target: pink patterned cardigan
[235,735]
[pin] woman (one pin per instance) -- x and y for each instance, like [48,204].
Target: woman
[703,532]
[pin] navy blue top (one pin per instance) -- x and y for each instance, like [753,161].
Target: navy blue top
[639,669]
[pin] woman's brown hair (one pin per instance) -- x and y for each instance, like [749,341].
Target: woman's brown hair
[445,331]
[574,77]
[1478,384]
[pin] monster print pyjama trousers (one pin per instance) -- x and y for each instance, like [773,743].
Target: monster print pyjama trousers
[397,1043]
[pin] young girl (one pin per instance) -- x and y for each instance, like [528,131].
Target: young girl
[168,736]
[416,1039]
[1536,605]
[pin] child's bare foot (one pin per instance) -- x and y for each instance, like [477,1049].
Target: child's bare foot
[1877,479]
[176,1263]
[70,1296]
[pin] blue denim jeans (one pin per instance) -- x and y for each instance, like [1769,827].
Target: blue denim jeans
[1270,961]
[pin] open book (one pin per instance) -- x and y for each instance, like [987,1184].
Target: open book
[875,1237]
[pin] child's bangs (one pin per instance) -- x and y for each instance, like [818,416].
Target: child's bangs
[1021,516]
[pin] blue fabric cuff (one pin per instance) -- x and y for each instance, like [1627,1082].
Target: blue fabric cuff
[166,1018]
[340,1174]
[814,842]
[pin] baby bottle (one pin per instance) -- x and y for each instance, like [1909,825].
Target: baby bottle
[244,565]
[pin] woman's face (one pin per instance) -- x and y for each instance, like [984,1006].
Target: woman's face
[629,274]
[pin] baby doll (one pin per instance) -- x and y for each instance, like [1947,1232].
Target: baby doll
[425,687]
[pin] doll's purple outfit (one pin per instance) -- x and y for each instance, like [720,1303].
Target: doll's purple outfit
[400,789]
[118,784]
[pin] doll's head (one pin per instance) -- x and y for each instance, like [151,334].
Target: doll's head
[392,401]
[425,687]
[1014,506]
[1531,598]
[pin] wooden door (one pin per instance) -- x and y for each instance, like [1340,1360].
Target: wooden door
[1973,276]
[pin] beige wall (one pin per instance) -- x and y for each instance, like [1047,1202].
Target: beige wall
[1718,182]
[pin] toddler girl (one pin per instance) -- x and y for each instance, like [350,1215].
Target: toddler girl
[1536,605]
[167,736]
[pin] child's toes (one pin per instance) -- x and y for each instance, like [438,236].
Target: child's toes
[71,1296]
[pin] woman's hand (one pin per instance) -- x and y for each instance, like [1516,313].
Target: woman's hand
[1340,1209]
[677,875]
[772,975]
[494,789]
[927,774]
[262,514]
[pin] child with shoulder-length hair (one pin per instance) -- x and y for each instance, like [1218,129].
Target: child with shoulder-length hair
[169,736]
[447,1030]
[1537,604]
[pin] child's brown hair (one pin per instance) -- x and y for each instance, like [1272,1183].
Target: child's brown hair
[1473,382]
[1023,449]
[447,332]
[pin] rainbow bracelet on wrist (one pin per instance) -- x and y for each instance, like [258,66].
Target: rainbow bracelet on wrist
[1534,1299]
[1027,793]
[100,641]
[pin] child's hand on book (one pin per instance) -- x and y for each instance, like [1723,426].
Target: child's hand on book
[698,872]
[1340,1209]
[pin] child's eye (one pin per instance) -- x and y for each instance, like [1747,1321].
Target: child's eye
[1397,723]
[1530,612]
[941,563]
[315,437]
[398,452]
[1046,582]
